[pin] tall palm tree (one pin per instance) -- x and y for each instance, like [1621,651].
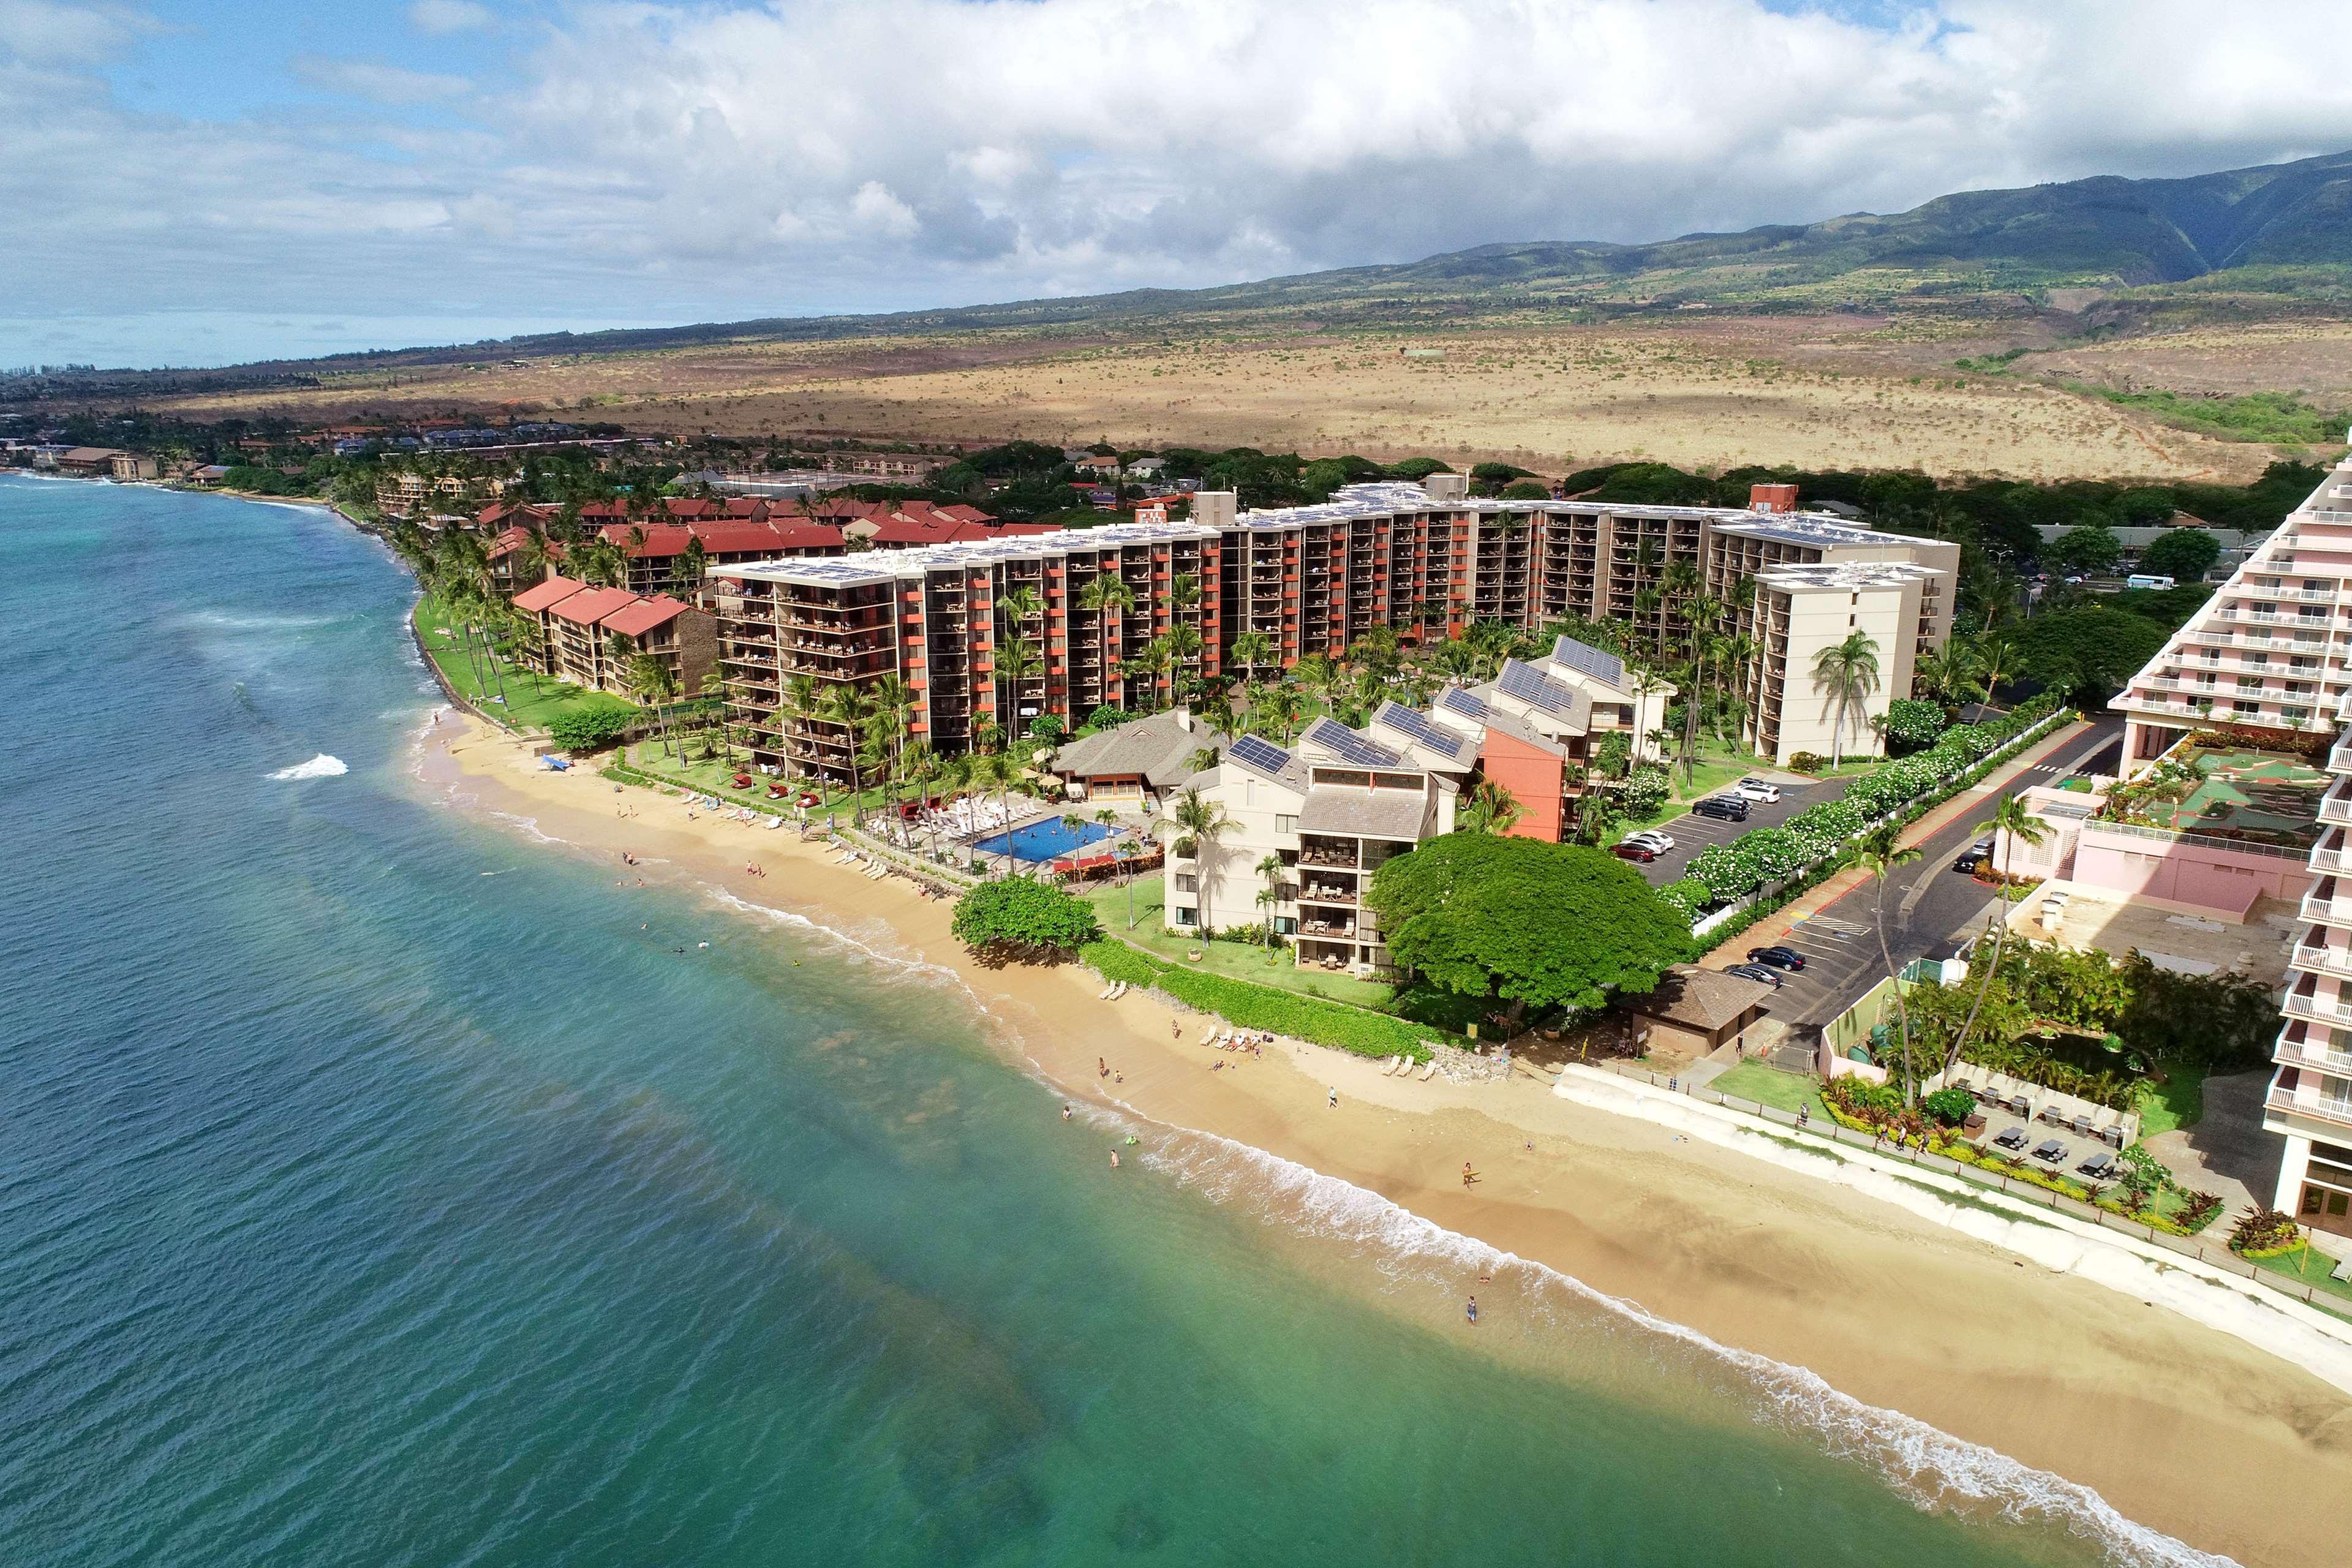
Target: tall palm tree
[1183,640]
[1950,674]
[1201,821]
[1075,825]
[807,700]
[1996,658]
[1108,597]
[1154,659]
[652,684]
[1015,608]
[996,771]
[894,711]
[919,766]
[2016,824]
[1879,853]
[1017,659]
[1127,852]
[846,705]
[1253,650]
[1270,868]
[1184,600]
[1846,673]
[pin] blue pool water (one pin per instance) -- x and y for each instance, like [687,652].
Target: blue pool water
[1042,840]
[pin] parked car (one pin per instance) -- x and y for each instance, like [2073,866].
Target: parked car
[1974,856]
[1661,842]
[1631,851]
[1757,789]
[1756,972]
[1723,807]
[1787,958]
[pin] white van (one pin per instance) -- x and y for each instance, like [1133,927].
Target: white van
[2143,580]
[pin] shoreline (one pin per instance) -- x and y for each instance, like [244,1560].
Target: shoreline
[2179,1428]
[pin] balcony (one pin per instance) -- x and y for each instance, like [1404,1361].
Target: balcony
[2285,1099]
[2336,805]
[2333,960]
[2321,907]
[2309,1006]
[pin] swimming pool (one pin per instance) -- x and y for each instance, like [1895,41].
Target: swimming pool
[1042,841]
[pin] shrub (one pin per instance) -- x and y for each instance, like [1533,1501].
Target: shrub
[2262,1232]
[1912,724]
[1950,1106]
[589,729]
[1645,791]
[1020,918]
[1047,730]
[1688,894]
[1808,762]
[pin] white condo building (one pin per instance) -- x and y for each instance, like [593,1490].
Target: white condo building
[2269,657]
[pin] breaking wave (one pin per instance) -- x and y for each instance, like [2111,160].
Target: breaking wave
[322,766]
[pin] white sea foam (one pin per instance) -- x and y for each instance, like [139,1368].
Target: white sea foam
[1930,1467]
[322,766]
[859,949]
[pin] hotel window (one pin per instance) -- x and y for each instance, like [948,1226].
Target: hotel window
[1285,824]
[1187,916]
[1187,882]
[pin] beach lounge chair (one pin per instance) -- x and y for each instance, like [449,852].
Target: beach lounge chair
[2342,1272]
[1103,994]
[1389,1066]
[1429,1071]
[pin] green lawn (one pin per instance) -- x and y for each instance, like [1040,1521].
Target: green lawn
[2309,1265]
[1786,1091]
[2179,1101]
[532,700]
[1237,961]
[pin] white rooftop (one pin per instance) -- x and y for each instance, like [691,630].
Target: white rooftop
[886,565]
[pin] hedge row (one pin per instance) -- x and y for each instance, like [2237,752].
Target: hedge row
[1249,1007]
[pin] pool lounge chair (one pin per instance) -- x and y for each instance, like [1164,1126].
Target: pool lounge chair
[1429,1071]
[1389,1066]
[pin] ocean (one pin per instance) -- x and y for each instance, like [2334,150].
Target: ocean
[382,1186]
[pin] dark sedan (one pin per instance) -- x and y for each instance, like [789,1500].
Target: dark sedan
[1787,958]
[1756,972]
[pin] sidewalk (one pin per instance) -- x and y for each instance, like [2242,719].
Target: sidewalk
[1776,927]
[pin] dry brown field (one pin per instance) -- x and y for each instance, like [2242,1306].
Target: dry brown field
[1830,391]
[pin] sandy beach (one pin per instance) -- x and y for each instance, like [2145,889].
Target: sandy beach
[2178,1426]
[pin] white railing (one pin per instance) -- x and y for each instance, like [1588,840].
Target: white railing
[2333,960]
[2312,1010]
[2331,859]
[2287,1100]
[2303,1053]
[2336,807]
[2215,840]
[2326,911]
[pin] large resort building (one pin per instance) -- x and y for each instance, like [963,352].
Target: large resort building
[1000,632]
[2265,667]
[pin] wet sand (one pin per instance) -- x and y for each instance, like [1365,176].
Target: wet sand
[2183,1428]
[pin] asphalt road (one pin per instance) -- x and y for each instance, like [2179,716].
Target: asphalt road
[1693,834]
[1930,908]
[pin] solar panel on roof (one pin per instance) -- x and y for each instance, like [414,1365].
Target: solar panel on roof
[1589,660]
[1412,722]
[1522,681]
[1456,700]
[1255,753]
[1349,746]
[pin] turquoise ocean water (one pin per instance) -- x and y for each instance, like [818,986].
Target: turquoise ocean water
[374,1191]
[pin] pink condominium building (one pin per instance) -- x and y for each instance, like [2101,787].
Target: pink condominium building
[2268,659]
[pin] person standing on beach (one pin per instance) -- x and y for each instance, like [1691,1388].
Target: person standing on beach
[1471,1311]
[1334,1097]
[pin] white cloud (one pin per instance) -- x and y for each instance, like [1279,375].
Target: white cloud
[374,82]
[439,17]
[39,32]
[641,161]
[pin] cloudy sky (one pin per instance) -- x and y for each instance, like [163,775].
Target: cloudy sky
[191,182]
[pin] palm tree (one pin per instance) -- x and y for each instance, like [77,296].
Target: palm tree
[652,684]
[1846,673]
[2016,823]
[1017,659]
[1253,650]
[894,711]
[1879,853]
[1075,825]
[1270,868]
[1490,809]
[1127,852]
[1183,640]
[1108,597]
[808,703]
[1152,659]
[1183,599]
[846,705]
[1597,812]
[1015,608]
[919,766]
[1201,821]
[1949,674]
[1319,673]
[998,771]
[1994,654]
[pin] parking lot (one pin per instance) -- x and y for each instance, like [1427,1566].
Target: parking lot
[1693,834]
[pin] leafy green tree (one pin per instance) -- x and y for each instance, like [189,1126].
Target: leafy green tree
[1911,725]
[589,729]
[1202,821]
[2014,821]
[1525,923]
[1019,917]
[2092,548]
[2184,554]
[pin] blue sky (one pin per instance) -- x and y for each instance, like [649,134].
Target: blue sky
[203,184]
